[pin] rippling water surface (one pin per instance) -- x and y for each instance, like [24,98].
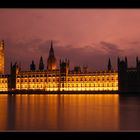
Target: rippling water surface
[82,112]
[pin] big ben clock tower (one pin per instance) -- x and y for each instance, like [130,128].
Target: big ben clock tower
[2,57]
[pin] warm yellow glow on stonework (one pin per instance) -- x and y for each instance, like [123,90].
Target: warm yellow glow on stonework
[54,79]
[1,58]
[102,81]
[3,83]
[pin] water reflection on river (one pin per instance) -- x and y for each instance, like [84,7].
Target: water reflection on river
[83,112]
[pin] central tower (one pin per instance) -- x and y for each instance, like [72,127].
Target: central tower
[51,62]
[2,57]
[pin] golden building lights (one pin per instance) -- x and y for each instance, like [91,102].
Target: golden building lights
[53,79]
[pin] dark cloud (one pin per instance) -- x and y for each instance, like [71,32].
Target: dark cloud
[80,56]
[92,55]
[110,48]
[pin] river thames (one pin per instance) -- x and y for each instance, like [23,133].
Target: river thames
[64,112]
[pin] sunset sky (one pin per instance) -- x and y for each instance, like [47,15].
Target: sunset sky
[85,36]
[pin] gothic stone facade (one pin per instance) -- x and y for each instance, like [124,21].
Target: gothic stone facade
[62,79]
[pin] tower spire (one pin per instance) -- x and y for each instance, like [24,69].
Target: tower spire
[51,52]
[41,64]
[126,61]
[109,65]
[51,62]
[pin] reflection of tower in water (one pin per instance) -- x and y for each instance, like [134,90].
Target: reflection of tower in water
[3,111]
[91,112]
[60,111]
[129,112]
[11,112]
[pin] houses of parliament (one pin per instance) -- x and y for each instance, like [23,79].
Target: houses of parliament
[52,78]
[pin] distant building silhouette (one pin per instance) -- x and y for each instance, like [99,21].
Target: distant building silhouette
[15,69]
[128,77]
